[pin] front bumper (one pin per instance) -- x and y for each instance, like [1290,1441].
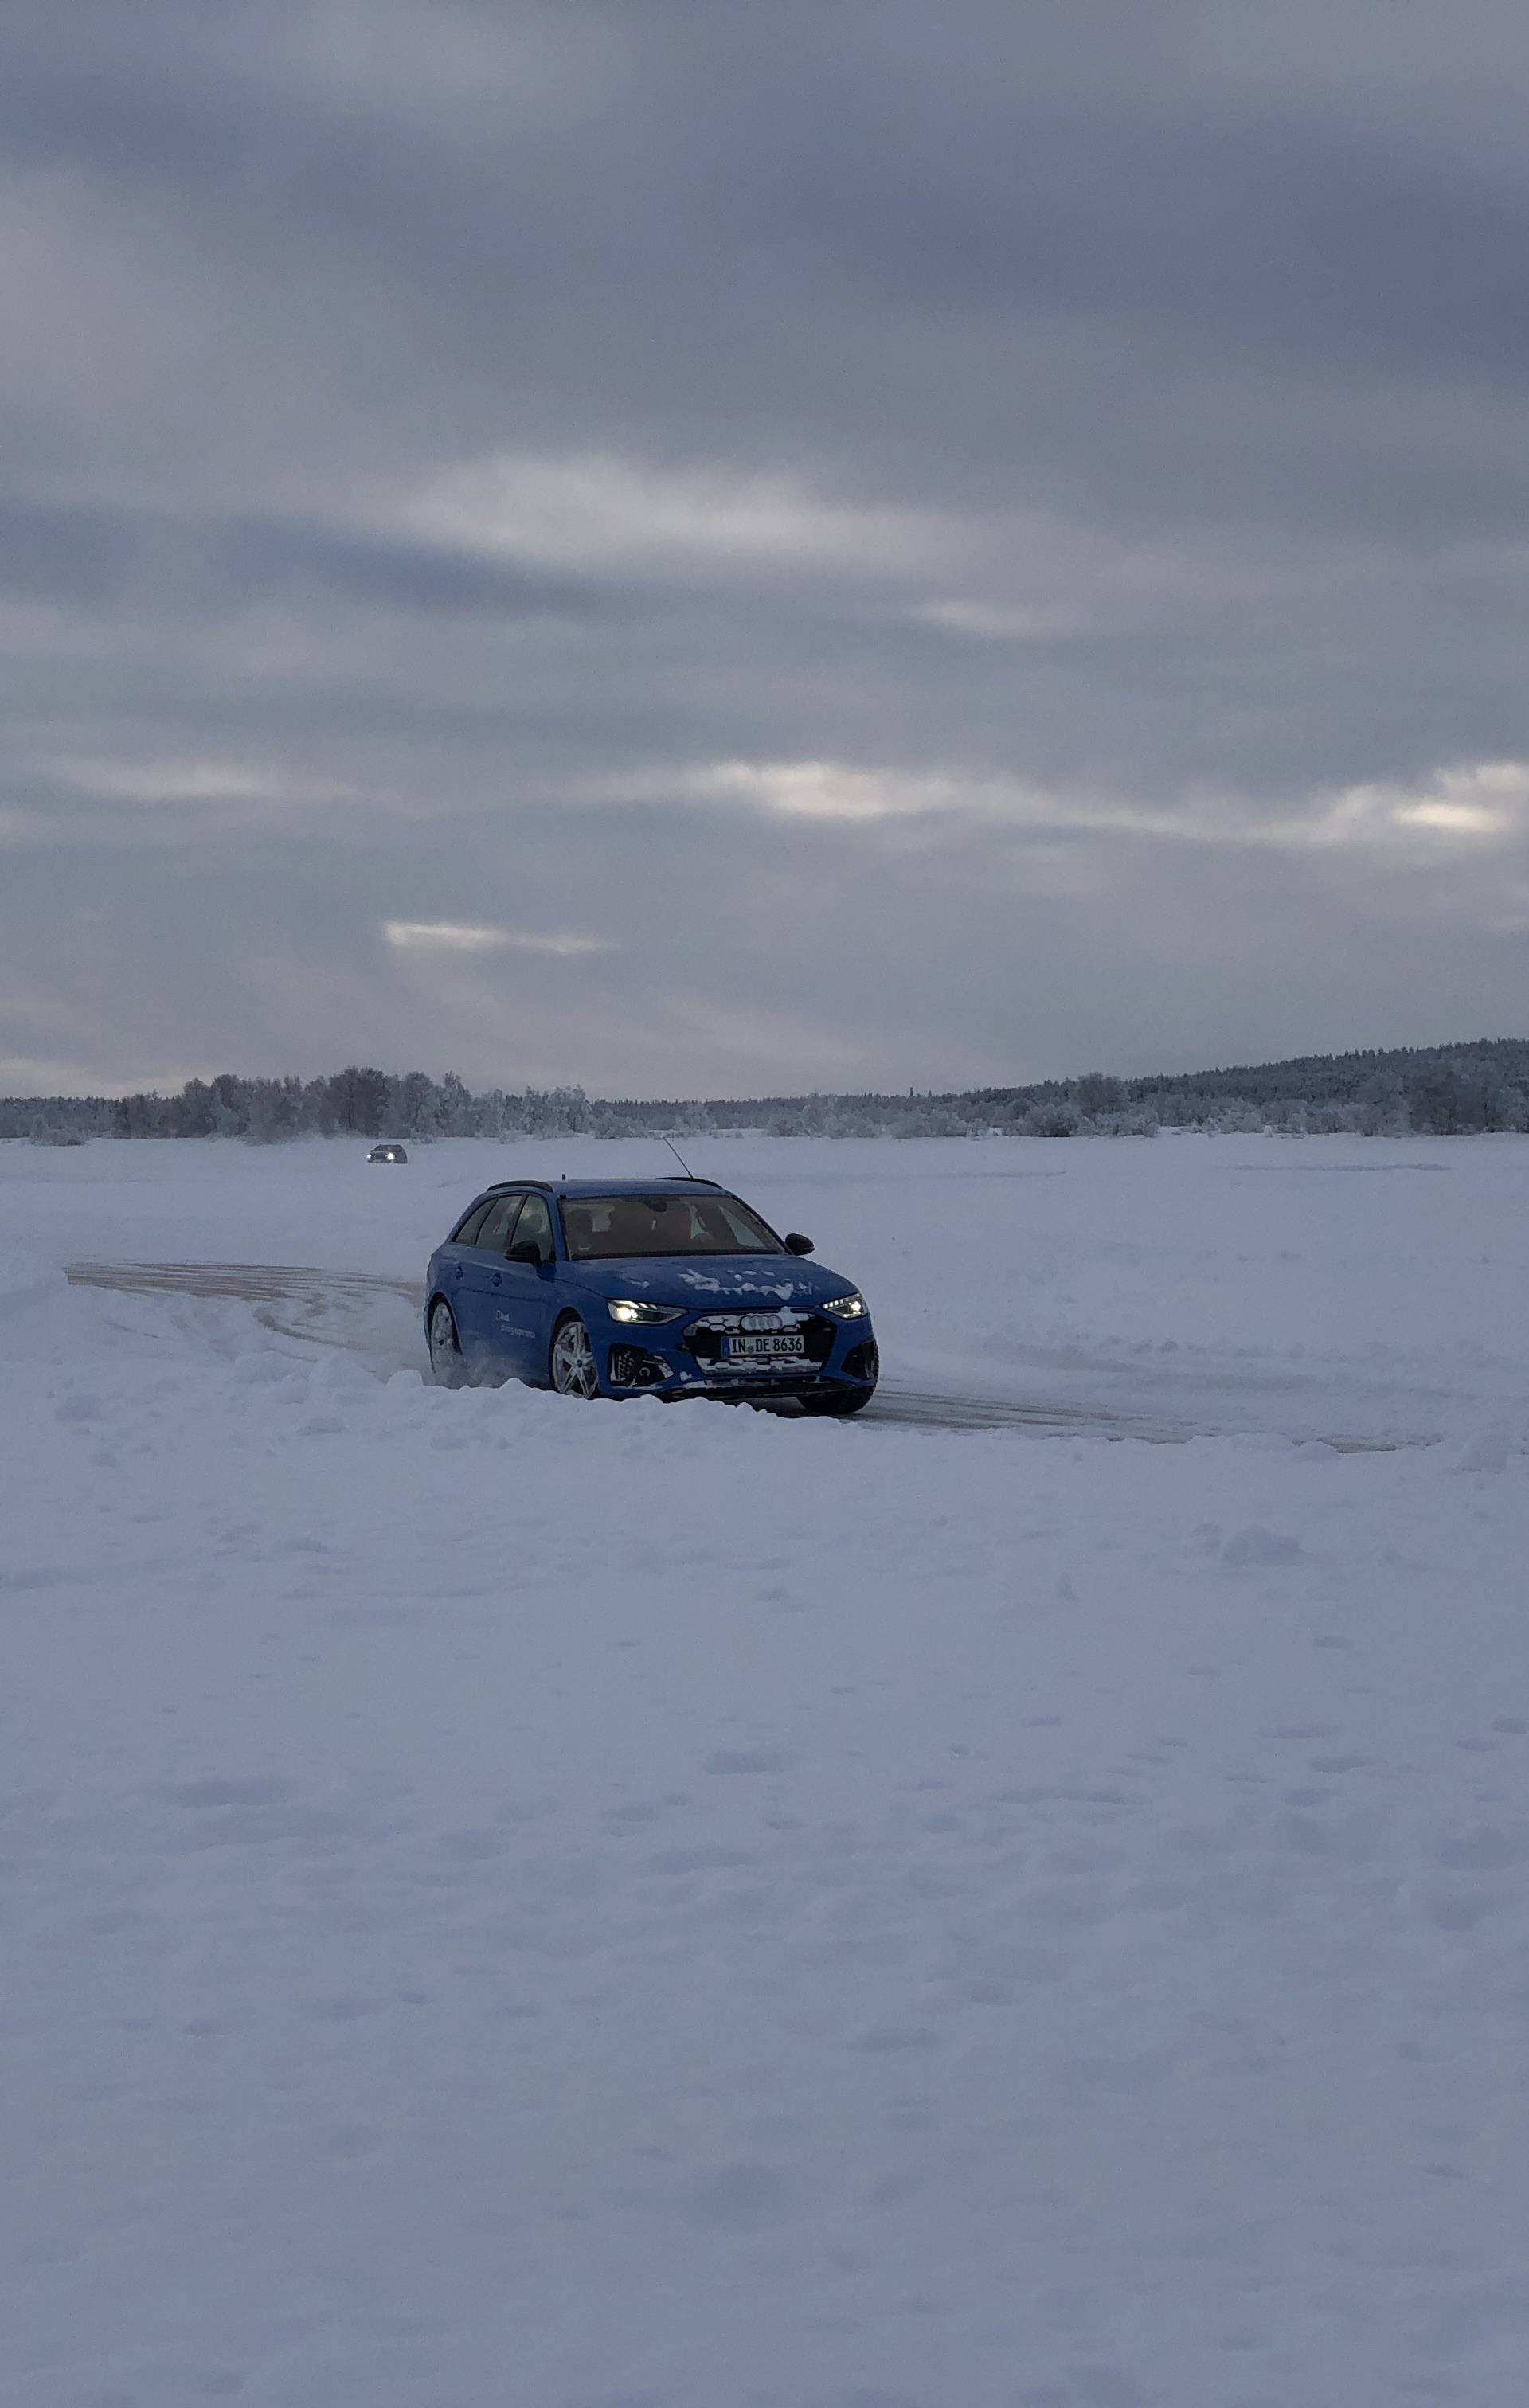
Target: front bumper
[690,1358]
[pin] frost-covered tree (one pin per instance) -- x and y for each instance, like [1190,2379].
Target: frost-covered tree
[1058,1118]
[1441,1100]
[359,1099]
[458,1112]
[1456,1090]
[415,1105]
[1095,1093]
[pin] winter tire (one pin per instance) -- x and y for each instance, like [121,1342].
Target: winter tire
[447,1367]
[572,1361]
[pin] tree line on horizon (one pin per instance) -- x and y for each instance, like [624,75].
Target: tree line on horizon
[1443,1091]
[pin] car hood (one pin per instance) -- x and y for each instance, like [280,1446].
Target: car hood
[698,1280]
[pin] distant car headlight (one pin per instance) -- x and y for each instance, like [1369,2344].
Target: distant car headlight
[847,1308]
[623,1308]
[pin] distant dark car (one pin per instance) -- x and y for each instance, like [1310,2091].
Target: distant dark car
[386,1154]
[670,1288]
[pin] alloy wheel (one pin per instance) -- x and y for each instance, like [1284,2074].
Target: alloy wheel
[574,1372]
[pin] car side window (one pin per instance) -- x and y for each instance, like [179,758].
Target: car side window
[494,1233]
[534,1228]
[466,1233]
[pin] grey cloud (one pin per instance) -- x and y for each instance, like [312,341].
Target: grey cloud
[931,952]
[1197,329]
[103,556]
[271,555]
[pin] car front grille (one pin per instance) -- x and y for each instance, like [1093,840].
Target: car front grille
[703,1339]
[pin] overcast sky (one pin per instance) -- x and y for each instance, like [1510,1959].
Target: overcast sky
[735,546]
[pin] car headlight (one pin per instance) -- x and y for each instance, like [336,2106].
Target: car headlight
[624,1308]
[847,1308]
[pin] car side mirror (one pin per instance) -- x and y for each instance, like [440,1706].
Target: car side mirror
[528,1254]
[796,1244]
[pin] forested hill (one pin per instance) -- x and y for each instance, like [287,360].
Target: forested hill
[1444,1090]
[1429,1076]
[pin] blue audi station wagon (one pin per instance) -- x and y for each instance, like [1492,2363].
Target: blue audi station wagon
[672,1287]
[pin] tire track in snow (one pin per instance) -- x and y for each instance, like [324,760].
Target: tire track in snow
[323,1308]
[293,1301]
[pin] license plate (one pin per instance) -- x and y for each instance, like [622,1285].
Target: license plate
[776,1342]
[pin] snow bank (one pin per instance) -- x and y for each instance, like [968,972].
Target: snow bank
[517,1901]
[25,1271]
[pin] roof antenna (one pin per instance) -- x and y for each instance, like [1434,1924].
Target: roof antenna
[679,1157]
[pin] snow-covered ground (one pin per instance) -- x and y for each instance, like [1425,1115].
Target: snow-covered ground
[511,1902]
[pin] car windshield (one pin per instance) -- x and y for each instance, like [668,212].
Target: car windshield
[602,1227]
